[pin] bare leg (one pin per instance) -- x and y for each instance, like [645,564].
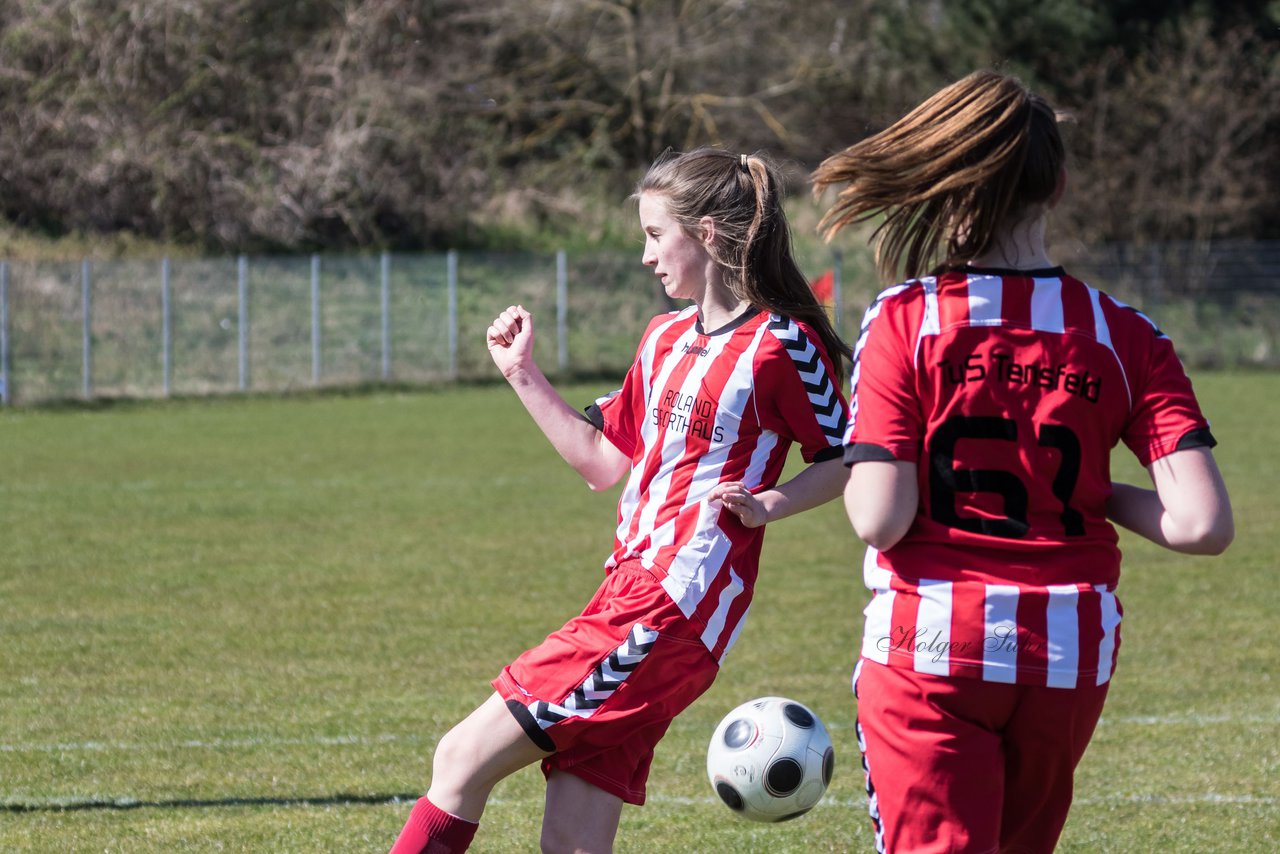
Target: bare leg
[579,818]
[485,747]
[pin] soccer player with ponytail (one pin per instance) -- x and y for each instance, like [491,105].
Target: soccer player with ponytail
[700,430]
[988,389]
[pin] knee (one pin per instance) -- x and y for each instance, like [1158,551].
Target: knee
[558,840]
[453,766]
[572,838]
[550,842]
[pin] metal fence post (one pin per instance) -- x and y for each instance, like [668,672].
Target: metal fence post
[166,328]
[6,388]
[837,285]
[562,310]
[1153,286]
[386,315]
[242,300]
[451,261]
[315,320]
[86,302]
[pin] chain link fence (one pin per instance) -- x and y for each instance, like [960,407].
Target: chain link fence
[135,329]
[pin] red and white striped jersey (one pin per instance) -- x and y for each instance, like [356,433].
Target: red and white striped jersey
[698,409]
[1009,390]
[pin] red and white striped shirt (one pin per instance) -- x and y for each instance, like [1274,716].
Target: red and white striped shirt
[698,409]
[1009,390]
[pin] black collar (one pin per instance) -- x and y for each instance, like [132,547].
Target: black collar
[751,312]
[1042,273]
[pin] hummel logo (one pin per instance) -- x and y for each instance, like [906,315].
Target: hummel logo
[697,351]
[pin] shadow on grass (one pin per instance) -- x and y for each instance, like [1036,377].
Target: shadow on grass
[120,804]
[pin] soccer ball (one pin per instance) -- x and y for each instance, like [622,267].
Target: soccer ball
[770,759]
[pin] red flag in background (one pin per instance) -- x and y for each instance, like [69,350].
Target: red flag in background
[824,287]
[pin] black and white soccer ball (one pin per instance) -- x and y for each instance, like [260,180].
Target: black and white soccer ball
[770,759]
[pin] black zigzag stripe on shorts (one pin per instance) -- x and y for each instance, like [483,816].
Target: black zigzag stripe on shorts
[600,684]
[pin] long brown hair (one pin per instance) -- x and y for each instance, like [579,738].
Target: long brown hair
[971,159]
[752,238]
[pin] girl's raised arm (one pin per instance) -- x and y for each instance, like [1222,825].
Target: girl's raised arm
[510,341]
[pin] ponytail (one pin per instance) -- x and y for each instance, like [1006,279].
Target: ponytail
[753,240]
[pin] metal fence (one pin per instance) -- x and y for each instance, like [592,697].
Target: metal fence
[271,324]
[1219,302]
[138,329]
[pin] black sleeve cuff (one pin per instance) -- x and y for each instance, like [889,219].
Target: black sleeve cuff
[593,414]
[828,453]
[865,452]
[1197,438]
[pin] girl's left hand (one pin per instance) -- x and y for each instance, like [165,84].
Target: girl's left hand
[735,497]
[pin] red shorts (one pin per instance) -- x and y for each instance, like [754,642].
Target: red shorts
[602,690]
[956,764]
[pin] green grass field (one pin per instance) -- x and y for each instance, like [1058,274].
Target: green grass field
[242,624]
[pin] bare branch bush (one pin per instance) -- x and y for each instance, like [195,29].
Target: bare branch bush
[1179,143]
[255,125]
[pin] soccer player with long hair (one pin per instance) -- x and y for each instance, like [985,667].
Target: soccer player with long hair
[988,389]
[700,430]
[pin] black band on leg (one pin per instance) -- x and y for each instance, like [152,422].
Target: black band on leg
[530,726]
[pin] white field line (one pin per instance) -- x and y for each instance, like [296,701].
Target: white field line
[855,804]
[212,744]
[1191,719]
[860,803]
[1207,798]
[344,740]
[1210,798]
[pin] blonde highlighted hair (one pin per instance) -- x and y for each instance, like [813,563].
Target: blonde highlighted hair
[972,159]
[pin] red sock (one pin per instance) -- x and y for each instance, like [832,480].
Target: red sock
[431,830]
